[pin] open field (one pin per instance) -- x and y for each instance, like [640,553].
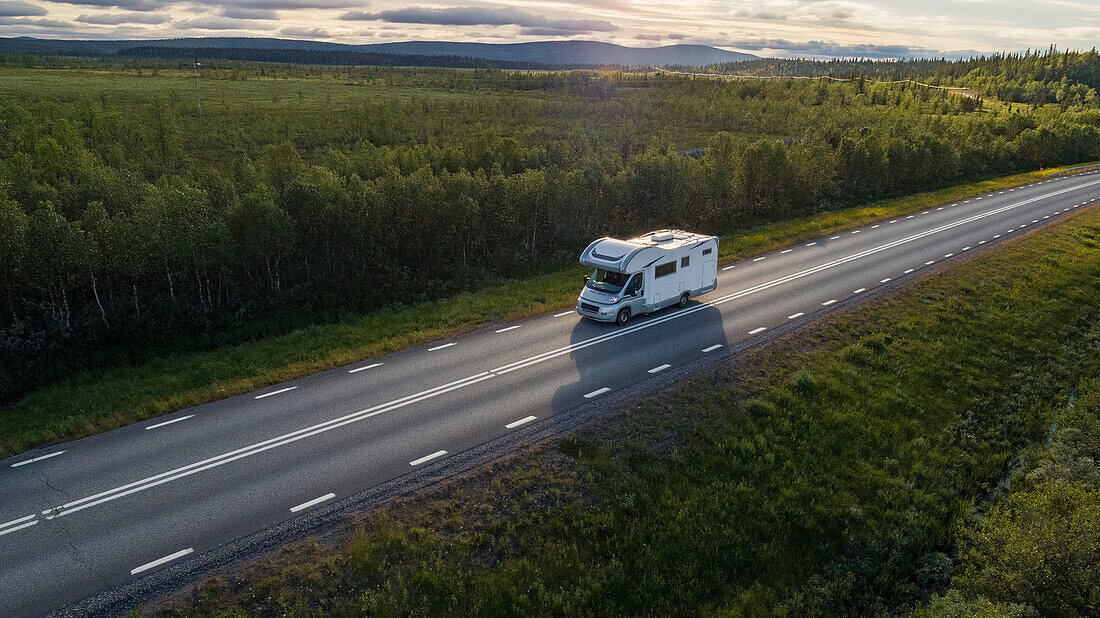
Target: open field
[832,472]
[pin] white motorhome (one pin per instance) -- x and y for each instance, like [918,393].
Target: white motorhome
[647,273]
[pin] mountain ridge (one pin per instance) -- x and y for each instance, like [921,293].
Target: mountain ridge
[574,52]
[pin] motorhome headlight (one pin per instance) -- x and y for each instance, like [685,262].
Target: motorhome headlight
[613,299]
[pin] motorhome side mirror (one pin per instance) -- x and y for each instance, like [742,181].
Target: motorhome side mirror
[586,278]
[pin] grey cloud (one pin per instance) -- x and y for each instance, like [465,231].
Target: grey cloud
[114,19]
[677,37]
[235,13]
[221,23]
[132,5]
[40,23]
[275,5]
[475,16]
[20,9]
[648,37]
[305,33]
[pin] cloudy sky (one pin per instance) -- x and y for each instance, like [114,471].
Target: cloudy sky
[787,28]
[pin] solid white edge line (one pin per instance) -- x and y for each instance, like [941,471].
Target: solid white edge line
[365,368]
[659,368]
[504,330]
[159,561]
[558,315]
[440,347]
[39,458]
[417,462]
[758,330]
[281,390]
[597,392]
[26,525]
[797,315]
[522,421]
[712,348]
[315,501]
[175,420]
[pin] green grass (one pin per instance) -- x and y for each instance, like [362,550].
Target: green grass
[826,474]
[95,402]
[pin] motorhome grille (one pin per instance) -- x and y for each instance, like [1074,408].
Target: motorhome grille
[591,308]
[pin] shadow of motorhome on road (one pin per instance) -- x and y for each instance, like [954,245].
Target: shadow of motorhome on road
[672,336]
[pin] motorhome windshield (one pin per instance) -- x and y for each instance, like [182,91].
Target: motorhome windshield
[606,281]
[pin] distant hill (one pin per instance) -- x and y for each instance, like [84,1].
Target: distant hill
[549,53]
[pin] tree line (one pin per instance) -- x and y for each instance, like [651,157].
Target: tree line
[131,226]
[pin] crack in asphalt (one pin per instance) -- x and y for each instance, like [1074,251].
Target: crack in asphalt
[75,553]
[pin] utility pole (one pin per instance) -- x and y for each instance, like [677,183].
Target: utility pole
[198,101]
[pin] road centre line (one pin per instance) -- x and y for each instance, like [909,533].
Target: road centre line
[39,458]
[504,330]
[19,527]
[597,392]
[313,502]
[417,462]
[259,447]
[859,290]
[828,302]
[175,420]
[759,258]
[16,521]
[440,347]
[659,368]
[159,561]
[797,315]
[758,330]
[522,421]
[885,280]
[372,366]
[727,267]
[325,426]
[712,348]
[907,272]
[834,237]
[786,250]
[563,313]
[281,390]
[810,244]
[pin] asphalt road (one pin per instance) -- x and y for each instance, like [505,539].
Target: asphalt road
[95,514]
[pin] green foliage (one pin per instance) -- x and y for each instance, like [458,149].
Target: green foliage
[843,499]
[307,195]
[1038,78]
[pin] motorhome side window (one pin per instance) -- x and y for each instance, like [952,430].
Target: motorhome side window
[706,251]
[664,269]
[684,261]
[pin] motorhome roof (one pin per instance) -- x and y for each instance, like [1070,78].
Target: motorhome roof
[619,255]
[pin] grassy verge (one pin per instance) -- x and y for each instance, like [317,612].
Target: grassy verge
[91,403]
[826,474]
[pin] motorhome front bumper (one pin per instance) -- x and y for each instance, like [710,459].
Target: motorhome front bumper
[592,311]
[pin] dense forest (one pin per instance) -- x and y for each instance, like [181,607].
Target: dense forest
[1038,78]
[134,225]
